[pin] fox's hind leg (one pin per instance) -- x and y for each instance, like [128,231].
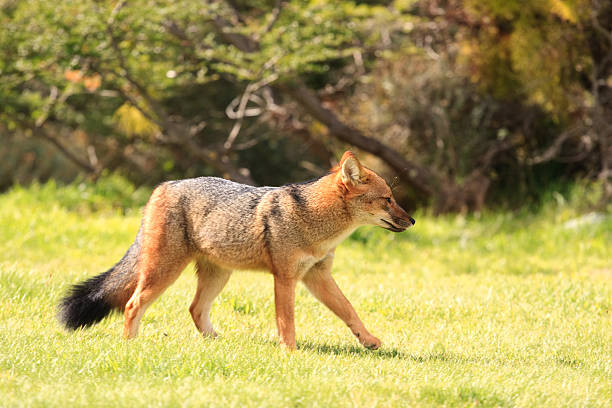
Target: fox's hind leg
[163,255]
[152,281]
[211,280]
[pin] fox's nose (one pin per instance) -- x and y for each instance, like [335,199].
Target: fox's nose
[412,220]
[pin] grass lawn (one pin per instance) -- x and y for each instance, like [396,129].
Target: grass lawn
[498,310]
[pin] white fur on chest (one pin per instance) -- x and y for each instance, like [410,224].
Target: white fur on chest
[321,249]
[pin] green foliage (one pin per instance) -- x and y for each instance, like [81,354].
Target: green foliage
[79,36]
[133,123]
[534,49]
[110,193]
[502,310]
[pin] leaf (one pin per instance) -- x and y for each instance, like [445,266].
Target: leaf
[132,122]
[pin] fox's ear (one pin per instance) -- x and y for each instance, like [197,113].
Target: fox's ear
[351,169]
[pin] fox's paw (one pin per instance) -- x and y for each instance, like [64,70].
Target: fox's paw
[288,346]
[210,333]
[370,342]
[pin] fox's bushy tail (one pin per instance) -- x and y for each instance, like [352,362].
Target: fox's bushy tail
[90,301]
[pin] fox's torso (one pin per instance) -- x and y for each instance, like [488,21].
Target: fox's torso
[245,227]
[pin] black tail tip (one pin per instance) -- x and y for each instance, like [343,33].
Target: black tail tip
[84,305]
[78,313]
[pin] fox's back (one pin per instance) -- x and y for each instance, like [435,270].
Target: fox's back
[204,196]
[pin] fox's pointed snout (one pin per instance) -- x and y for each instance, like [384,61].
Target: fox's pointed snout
[405,223]
[397,224]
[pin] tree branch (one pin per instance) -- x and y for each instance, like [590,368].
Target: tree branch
[275,14]
[240,114]
[553,150]
[243,43]
[42,133]
[417,177]
[216,158]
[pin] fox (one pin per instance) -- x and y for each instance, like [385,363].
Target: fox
[291,231]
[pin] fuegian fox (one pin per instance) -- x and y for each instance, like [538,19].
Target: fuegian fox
[291,231]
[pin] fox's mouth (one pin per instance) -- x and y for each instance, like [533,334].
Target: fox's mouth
[392,227]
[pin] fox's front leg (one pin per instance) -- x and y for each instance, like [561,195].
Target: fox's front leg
[320,283]
[284,300]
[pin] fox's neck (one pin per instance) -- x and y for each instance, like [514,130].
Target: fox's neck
[326,210]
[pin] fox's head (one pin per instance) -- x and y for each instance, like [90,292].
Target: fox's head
[370,197]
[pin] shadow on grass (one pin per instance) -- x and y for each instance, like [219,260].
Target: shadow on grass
[383,353]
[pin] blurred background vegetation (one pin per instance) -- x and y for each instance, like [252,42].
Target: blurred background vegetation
[461,104]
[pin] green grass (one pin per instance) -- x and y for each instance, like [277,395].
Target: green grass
[497,310]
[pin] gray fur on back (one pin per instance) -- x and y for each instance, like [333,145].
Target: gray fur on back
[225,220]
[212,200]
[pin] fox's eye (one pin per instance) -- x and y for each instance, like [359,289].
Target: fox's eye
[388,199]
